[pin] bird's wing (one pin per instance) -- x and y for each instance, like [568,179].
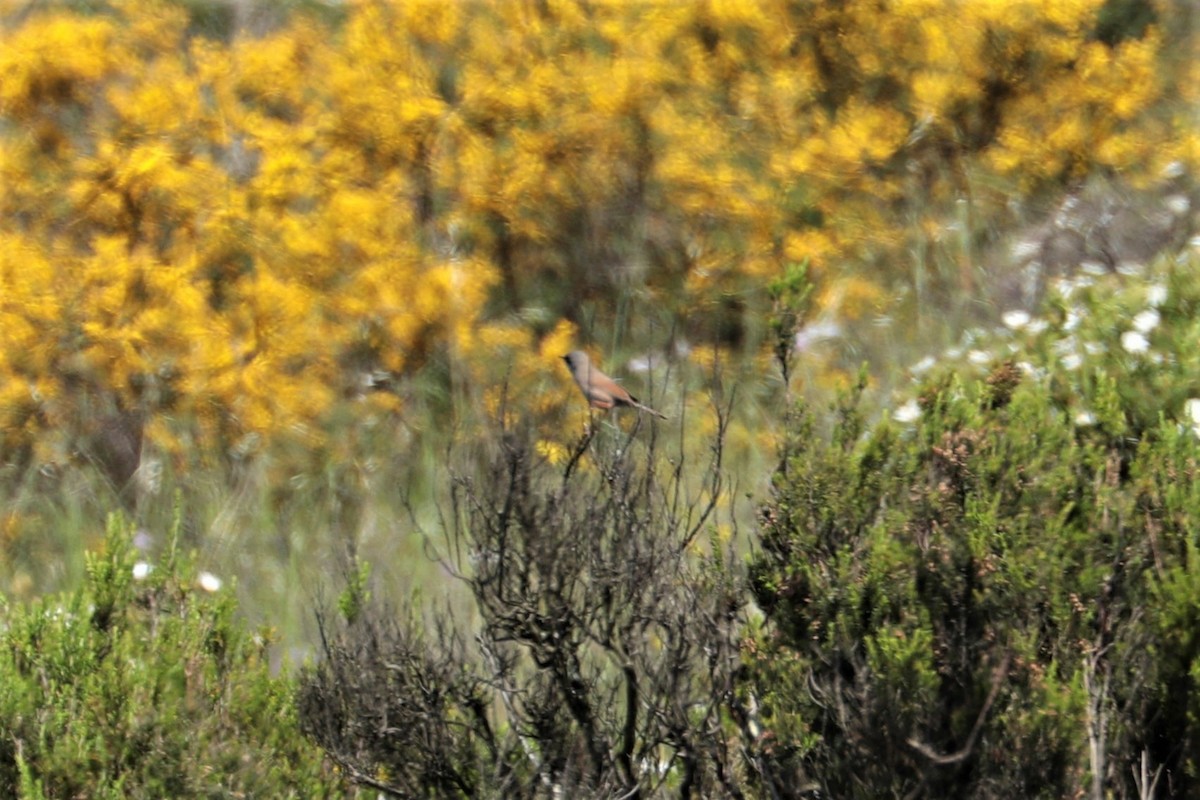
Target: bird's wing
[599,397]
[616,392]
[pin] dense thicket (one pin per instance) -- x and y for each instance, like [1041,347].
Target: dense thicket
[997,594]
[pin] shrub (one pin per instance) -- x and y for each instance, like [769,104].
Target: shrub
[145,689]
[602,658]
[1000,598]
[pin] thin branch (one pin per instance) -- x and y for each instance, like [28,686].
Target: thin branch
[363,779]
[998,677]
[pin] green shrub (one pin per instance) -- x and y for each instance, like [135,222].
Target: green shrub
[145,688]
[997,593]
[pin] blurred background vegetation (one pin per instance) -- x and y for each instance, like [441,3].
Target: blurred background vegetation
[272,266]
[279,256]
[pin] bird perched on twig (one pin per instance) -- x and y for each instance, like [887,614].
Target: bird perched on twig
[600,390]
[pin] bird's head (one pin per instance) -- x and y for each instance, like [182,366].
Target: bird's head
[576,359]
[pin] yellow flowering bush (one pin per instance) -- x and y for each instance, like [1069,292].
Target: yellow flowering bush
[241,230]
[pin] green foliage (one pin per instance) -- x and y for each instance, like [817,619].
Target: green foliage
[997,596]
[145,688]
[356,594]
[791,301]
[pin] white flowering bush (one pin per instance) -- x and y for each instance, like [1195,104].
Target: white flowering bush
[1135,334]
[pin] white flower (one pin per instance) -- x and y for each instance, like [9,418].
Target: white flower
[141,570]
[1094,268]
[1037,326]
[922,366]
[1094,348]
[208,582]
[1192,409]
[1015,319]
[1147,320]
[1085,419]
[1134,342]
[1178,204]
[1037,373]
[1072,361]
[1072,320]
[1066,286]
[1156,295]
[979,357]
[909,412]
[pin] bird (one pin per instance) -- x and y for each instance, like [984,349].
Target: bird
[600,390]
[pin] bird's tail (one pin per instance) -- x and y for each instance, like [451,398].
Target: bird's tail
[658,414]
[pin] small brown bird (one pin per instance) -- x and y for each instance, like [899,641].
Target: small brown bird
[600,390]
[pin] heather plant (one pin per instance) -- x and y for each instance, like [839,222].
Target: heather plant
[143,684]
[994,594]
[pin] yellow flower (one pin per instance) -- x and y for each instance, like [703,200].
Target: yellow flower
[554,452]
